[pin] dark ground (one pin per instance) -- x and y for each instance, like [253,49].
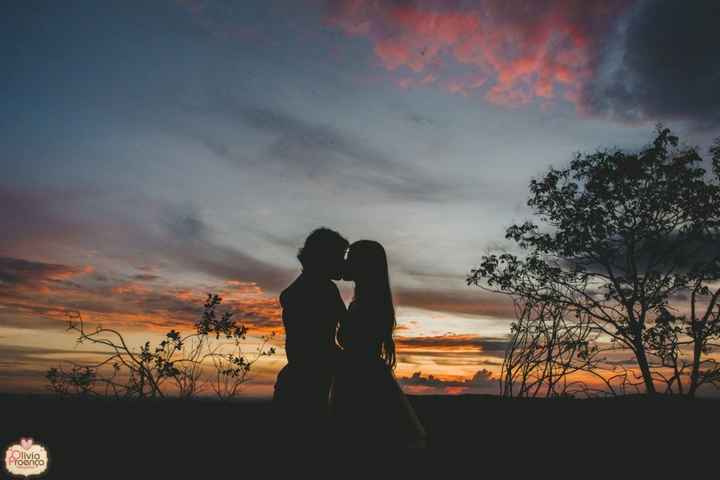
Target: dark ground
[83,435]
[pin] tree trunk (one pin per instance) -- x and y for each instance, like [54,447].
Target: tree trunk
[645,370]
[695,374]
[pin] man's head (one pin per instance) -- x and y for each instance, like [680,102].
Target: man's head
[324,253]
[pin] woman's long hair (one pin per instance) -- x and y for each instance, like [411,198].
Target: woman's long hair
[373,294]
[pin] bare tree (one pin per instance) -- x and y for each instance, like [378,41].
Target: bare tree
[178,360]
[550,354]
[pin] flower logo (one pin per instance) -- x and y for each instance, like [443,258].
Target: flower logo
[26,458]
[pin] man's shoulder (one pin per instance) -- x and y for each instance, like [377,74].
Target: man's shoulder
[290,293]
[304,289]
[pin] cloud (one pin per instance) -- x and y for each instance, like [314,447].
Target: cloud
[488,346]
[481,382]
[469,302]
[511,51]
[319,152]
[669,68]
[38,295]
[10,354]
[44,220]
[17,271]
[190,242]
[23,367]
[145,277]
[35,217]
[450,352]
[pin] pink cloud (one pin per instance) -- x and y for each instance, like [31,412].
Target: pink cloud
[517,51]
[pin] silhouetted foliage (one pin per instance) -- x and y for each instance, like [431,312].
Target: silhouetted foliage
[178,359]
[627,241]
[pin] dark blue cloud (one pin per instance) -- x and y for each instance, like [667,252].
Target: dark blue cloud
[670,68]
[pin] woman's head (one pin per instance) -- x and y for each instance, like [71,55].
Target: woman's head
[367,266]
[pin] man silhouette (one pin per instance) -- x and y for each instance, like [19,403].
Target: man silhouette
[311,310]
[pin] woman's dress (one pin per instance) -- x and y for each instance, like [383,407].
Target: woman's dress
[367,404]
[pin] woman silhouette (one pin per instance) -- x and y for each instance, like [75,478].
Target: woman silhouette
[366,401]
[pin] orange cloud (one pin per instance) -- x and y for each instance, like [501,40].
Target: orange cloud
[38,295]
[482,382]
[528,49]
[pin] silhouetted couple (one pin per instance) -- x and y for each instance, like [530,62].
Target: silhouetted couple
[340,361]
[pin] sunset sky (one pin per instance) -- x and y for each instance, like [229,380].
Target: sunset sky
[152,152]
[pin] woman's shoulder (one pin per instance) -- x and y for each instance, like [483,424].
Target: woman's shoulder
[354,315]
